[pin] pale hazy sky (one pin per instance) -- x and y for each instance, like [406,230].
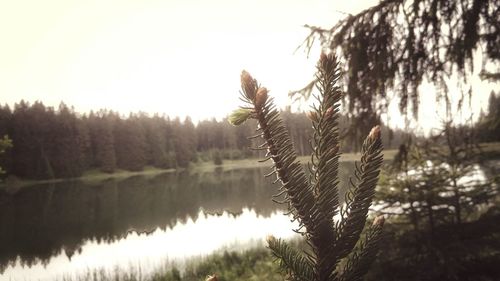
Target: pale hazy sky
[179,57]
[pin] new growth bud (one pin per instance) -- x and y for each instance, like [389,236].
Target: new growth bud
[249,85]
[261,97]
[329,112]
[324,61]
[211,278]
[323,57]
[270,239]
[379,221]
[375,132]
[239,116]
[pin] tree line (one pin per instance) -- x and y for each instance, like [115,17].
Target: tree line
[61,143]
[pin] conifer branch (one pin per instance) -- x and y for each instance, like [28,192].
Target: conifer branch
[358,262]
[314,202]
[291,260]
[280,150]
[360,194]
[325,164]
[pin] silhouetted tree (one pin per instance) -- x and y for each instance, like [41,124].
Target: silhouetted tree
[5,129]
[103,143]
[85,142]
[489,124]
[130,144]
[31,135]
[184,140]
[5,143]
[66,144]
[63,144]
[155,133]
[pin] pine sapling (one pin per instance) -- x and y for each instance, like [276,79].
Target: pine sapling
[331,229]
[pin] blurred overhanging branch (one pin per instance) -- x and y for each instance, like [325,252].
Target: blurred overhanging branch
[397,45]
[489,76]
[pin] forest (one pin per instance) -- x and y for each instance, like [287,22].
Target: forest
[53,143]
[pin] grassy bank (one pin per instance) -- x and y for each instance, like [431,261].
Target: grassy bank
[89,176]
[490,150]
[250,265]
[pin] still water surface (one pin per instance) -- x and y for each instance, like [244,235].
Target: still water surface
[67,229]
[54,230]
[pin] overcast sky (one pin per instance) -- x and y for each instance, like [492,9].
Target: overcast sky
[178,57]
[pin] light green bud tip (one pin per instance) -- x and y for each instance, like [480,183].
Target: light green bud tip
[239,116]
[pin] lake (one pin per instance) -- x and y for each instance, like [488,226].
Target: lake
[67,229]
[51,231]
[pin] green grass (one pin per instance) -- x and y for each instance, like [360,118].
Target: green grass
[254,162]
[490,150]
[255,264]
[251,265]
[90,176]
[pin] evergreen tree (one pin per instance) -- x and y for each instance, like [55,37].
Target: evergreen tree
[59,144]
[170,144]
[5,143]
[206,132]
[103,143]
[184,140]
[85,143]
[130,144]
[156,148]
[66,155]
[189,136]
[433,194]
[431,183]
[314,203]
[489,124]
[5,130]
[31,135]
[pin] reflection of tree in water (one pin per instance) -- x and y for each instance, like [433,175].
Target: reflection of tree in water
[39,222]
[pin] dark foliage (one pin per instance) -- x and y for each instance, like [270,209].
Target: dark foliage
[488,129]
[444,213]
[60,143]
[5,143]
[314,201]
[396,45]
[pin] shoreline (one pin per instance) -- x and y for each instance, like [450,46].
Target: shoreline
[95,175]
[490,151]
